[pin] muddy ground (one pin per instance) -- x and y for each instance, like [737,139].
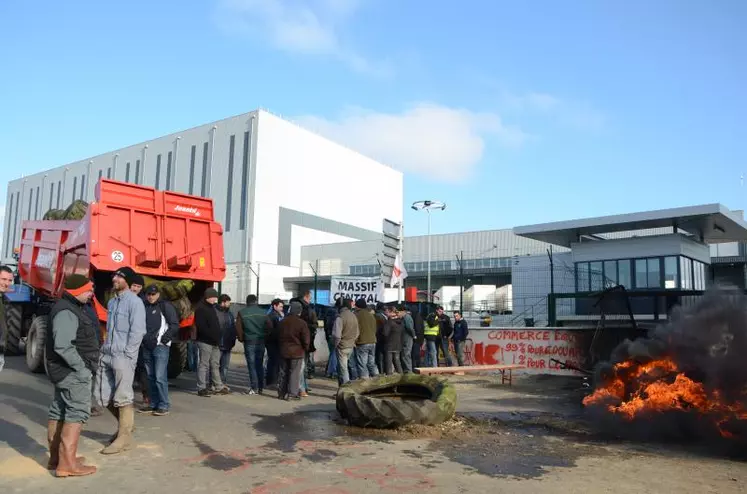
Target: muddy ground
[529,438]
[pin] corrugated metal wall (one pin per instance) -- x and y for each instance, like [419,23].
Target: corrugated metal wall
[214,160]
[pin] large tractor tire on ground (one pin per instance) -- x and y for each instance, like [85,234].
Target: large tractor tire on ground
[177,358]
[387,402]
[36,344]
[14,330]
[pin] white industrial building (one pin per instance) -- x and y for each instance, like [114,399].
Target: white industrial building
[276,187]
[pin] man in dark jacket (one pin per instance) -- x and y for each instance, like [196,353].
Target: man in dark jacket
[141,376]
[227,335]
[272,328]
[461,332]
[380,316]
[392,341]
[445,333]
[250,329]
[208,328]
[417,347]
[308,314]
[72,350]
[6,279]
[161,326]
[408,338]
[295,340]
[365,346]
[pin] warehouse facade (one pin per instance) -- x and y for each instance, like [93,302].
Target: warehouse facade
[276,187]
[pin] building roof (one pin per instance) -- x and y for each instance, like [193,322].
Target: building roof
[711,223]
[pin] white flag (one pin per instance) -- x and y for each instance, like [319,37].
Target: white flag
[399,273]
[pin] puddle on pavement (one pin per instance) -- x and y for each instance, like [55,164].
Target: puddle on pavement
[289,428]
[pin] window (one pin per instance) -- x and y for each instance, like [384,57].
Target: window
[597,276]
[229,195]
[51,193]
[82,187]
[699,275]
[654,273]
[137,171]
[127,172]
[610,273]
[582,277]
[101,174]
[168,170]
[36,204]
[109,172]
[75,187]
[192,154]
[670,272]
[686,273]
[203,189]
[244,180]
[158,172]
[623,273]
[641,274]
[59,192]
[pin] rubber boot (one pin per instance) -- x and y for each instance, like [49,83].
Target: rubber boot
[123,442]
[54,436]
[68,466]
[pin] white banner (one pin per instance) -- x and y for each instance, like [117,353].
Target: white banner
[356,287]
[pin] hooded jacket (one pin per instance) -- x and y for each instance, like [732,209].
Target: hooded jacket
[207,324]
[125,326]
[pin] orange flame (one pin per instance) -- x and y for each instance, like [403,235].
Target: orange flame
[659,386]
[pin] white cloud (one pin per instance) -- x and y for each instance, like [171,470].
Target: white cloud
[427,139]
[309,27]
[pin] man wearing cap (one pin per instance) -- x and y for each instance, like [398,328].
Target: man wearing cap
[72,350]
[125,328]
[161,325]
[208,327]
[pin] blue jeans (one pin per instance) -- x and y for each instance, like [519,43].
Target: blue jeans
[332,363]
[444,344]
[353,366]
[255,355]
[365,356]
[343,357]
[225,360]
[193,356]
[431,354]
[156,367]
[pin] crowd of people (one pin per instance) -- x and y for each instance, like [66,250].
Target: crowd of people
[91,375]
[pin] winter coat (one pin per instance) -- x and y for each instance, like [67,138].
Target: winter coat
[366,327]
[153,323]
[207,324]
[227,329]
[446,328]
[461,331]
[293,336]
[308,315]
[272,327]
[125,326]
[392,331]
[419,328]
[345,332]
[251,324]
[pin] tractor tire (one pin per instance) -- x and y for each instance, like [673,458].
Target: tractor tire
[177,358]
[36,345]
[14,330]
[387,402]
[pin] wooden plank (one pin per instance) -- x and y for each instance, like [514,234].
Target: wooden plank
[466,368]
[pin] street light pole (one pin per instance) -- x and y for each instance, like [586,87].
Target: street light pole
[429,255]
[428,206]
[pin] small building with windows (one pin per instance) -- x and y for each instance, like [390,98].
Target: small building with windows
[659,257]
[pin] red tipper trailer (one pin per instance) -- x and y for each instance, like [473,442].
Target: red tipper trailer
[161,234]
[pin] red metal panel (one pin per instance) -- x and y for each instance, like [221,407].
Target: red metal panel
[161,234]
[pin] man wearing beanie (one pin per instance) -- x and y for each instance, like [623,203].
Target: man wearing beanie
[209,332]
[125,328]
[294,339]
[72,349]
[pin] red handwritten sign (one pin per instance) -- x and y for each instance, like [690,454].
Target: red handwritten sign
[533,348]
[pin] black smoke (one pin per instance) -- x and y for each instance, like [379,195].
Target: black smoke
[707,340]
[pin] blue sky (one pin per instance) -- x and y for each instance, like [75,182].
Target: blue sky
[510,112]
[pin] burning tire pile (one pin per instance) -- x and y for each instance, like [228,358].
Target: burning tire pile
[687,380]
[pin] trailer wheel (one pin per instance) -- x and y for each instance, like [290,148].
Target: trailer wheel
[14,330]
[177,358]
[393,401]
[35,345]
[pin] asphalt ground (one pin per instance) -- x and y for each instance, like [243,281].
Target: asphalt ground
[529,438]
